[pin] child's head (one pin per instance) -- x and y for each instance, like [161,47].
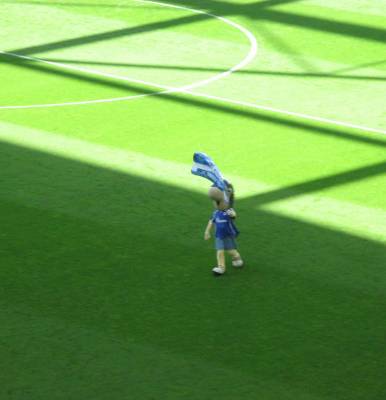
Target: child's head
[218,199]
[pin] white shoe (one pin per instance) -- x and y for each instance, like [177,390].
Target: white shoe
[218,270]
[238,263]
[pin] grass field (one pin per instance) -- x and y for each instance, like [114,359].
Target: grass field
[106,285]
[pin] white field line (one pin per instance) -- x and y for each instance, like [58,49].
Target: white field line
[249,35]
[169,90]
[87,71]
[165,89]
[188,88]
[290,113]
[343,216]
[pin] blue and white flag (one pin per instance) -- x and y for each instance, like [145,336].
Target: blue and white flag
[205,167]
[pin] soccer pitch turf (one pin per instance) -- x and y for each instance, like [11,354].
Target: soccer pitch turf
[106,284]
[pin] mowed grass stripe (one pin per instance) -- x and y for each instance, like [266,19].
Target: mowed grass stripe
[298,315]
[129,368]
[355,219]
[105,274]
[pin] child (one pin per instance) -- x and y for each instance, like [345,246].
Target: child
[226,232]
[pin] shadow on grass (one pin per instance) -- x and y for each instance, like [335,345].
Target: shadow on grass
[123,256]
[371,64]
[339,179]
[257,11]
[209,69]
[262,11]
[109,35]
[189,100]
[70,4]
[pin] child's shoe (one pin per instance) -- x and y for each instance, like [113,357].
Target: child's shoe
[218,271]
[238,263]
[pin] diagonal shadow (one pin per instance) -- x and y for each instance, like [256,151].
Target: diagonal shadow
[322,25]
[257,11]
[339,179]
[109,35]
[75,255]
[262,11]
[282,45]
[255,115]
[272,3]
[262,4]
[207,69]
[68,74]
[360,66]
[68,4]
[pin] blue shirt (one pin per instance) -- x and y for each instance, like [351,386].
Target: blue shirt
[224,225]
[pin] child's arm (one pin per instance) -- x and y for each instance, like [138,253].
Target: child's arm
[232,213]
[208,229]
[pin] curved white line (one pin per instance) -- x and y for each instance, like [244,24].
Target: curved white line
[250,56]
[167,89]
[187,89]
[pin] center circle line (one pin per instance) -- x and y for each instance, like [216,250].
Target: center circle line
[165,89]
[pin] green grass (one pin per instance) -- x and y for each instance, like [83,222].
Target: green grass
[297,318]
[106,284]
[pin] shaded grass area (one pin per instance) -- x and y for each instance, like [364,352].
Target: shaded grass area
[113,34]
[106,283]
[261,11]
[300,75]
[256,115]
[315,185]
[266,11]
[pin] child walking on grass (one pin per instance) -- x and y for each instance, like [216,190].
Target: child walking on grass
[226,233]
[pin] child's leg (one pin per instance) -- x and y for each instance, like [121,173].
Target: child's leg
[234,254]
[221,258]
[236,258]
